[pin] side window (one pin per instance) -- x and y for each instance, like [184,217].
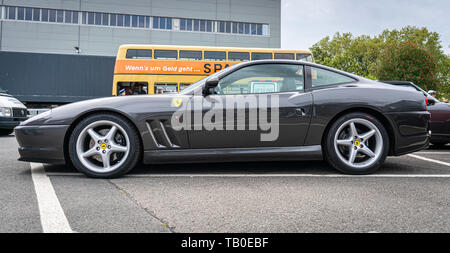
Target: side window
[321,77]
[166,54]
[287,56]
[139,54]
[261,56]
[190,55]
[215,56]
[263,78]
[238,56]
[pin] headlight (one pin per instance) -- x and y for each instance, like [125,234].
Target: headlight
[5,112]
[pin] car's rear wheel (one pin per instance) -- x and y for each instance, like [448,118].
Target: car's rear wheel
[357,144]
[4,132]
[104,146]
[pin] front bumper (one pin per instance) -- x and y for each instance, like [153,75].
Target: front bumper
[10,123]
[44,144]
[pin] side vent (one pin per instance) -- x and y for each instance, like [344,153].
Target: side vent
[162,137]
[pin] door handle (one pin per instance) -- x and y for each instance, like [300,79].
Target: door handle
[300,112]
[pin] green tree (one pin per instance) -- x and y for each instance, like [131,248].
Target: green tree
[359,55]
[406,61]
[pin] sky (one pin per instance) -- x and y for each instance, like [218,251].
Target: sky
[305,22]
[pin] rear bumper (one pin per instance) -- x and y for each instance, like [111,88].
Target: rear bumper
[43,144]
[10,123]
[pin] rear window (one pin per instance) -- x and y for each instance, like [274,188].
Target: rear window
[215,56]
[139,54]
[190,55]
[238,56]
[286,56]
[166,54]
[261,56]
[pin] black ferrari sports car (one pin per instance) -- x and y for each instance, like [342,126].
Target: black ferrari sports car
[261,110]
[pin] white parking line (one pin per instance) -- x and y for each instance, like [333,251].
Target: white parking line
[53,219]
[432,153]
[429,160]
[270,175]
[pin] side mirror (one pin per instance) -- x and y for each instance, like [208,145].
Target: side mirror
[210,85]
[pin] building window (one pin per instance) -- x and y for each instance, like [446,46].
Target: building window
[20,13]
[52,16]
[68,17]
[36,14]
[45,15]
[125,20]
[28,13]
[105,19]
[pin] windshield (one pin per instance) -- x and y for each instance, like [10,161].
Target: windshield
[200,82]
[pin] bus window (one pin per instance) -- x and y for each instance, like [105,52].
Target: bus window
[166,54]
[215,56]
[139,54]
[286,56]
[190,55]
[238,56]
[133,88]
[304,57]
[261,56]
[184,86]
[163,88]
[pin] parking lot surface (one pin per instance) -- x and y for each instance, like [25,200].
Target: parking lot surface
[408,194]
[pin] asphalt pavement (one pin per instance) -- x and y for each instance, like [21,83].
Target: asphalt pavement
[408,194]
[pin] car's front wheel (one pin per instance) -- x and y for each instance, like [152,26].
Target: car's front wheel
[104,146]
[357,144]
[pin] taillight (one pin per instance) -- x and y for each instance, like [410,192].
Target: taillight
[426,102]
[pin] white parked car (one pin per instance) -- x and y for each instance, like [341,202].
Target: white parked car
[12,112]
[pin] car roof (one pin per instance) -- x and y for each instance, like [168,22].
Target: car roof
[281,61]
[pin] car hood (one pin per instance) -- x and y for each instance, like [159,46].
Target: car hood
[8,101]
[128,106]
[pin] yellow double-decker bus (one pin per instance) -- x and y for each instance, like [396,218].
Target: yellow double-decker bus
[153,69]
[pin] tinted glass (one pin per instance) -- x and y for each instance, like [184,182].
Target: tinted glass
[59,16]
[166,54]
[90,18]
[44,15]
[321,77]
[261,56]
[20,13]
[134,21]
[12,12]
[120,20]
[286,56]
[75,17]
[155,22]
[68,17]
[264,78]
[52,15]
[215,56]
[139,54]
[28,13]
[238,56]
[190,55]
[36,14]
[113,20]
[105,19]
[304,57]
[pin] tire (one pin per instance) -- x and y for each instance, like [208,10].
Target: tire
[106,154]
[341,147]
[5,132]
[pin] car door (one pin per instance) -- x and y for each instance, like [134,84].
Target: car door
[261,105]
